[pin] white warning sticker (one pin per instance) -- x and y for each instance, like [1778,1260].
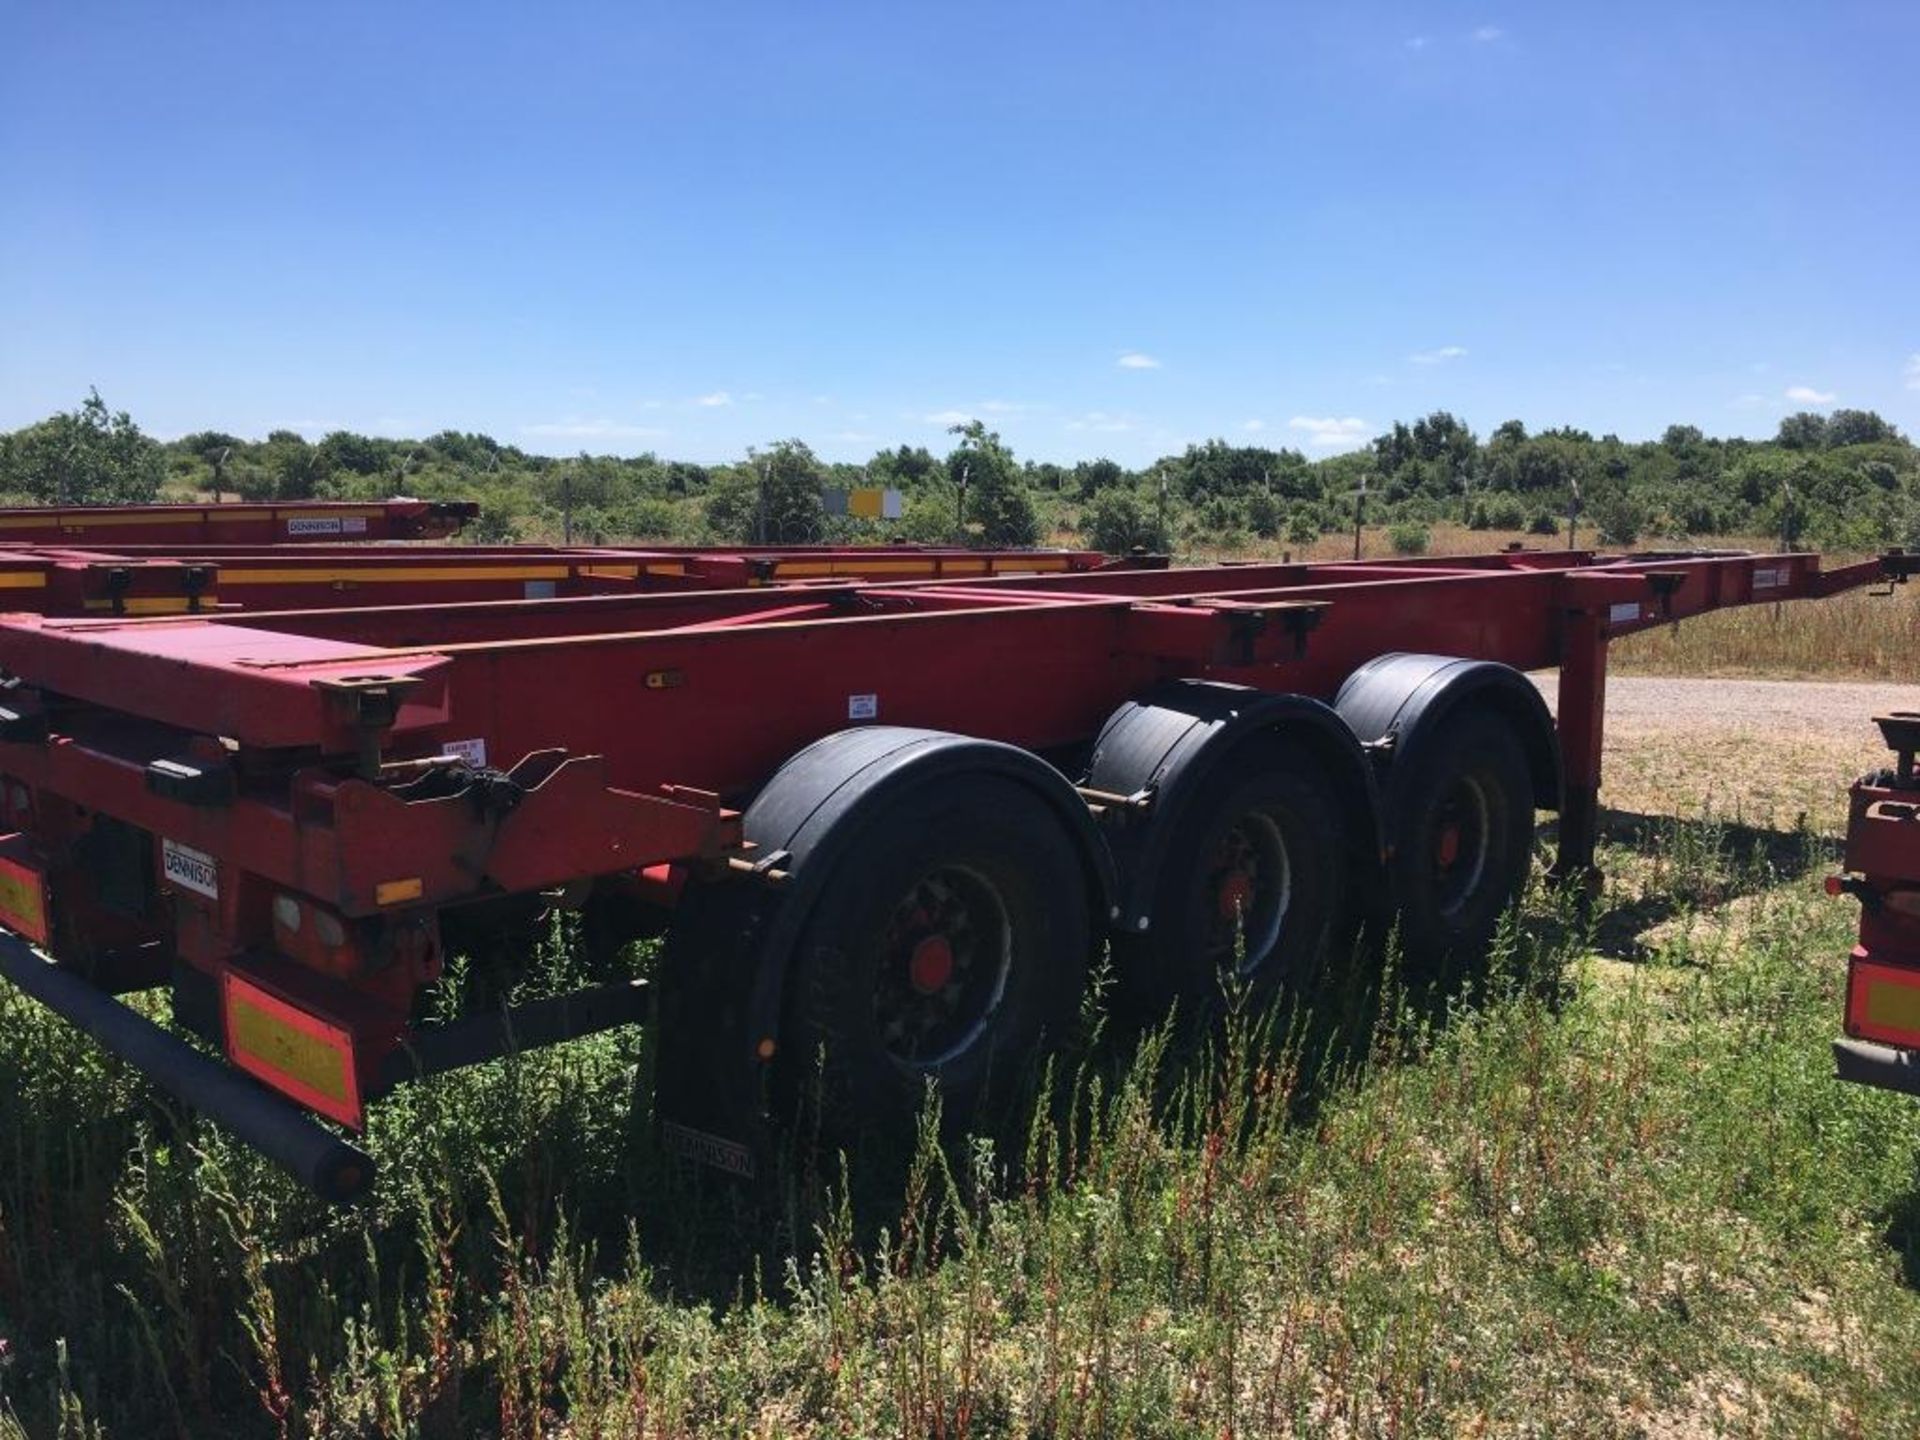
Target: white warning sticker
[189,868]
[312,525]
[1769,579]
[1624,613]
[863,707]
[474,752]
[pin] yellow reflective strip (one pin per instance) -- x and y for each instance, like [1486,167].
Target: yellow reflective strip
[307,1058]
[676,567]
[609,572]
[1895,1006]
[375,574]
[23,903]
[393,892]
[71,521]
[803,567]
[152,604]
[23,580]
[30,522]
[226,515]
[963,567]
[884,567]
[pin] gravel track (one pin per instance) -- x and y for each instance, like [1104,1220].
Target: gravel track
[1812,709]
[1768,750]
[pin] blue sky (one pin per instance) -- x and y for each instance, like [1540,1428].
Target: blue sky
[1104,229]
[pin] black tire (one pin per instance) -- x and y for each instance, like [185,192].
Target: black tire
[950,941]
[1253,888]
[1462,837]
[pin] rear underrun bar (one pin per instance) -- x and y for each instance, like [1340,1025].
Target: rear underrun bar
[331,1167]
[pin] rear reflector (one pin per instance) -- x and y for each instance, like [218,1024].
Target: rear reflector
[1883,1003]
[23,894]
[302,1056]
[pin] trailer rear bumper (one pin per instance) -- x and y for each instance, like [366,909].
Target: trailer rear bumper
[1882,1066]
[328,1165]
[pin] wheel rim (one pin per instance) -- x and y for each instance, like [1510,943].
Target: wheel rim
[1249,888]
[945,955]
[1462,831]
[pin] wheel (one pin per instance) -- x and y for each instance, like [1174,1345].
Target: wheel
[1253,884]
[1462,838]
[950,939]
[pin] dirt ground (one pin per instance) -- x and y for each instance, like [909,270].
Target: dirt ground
[1757,752]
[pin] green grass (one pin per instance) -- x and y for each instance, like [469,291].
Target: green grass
[1608,1187]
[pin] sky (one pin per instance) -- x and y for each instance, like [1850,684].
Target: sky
[1106,229]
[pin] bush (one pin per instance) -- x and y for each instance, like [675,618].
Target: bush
[1263,514]
[1544,522]
[1120,518]
[1618,519]
[1504,512]
[651,519]
[1409,538]
[1304,527]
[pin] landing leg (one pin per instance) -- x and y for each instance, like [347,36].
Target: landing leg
[1583,701]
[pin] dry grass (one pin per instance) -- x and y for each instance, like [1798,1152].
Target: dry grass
[1857,636]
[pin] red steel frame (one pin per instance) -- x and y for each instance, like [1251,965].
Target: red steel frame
[173,579]
[280,523]
[1881,868]
[632,726]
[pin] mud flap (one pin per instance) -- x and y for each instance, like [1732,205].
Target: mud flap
[711,1079]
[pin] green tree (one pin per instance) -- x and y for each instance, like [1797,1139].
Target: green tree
[361,454]
[775,496]
[1857,427]
[997,500]
[1803,430]
[1120,517]
[89,456]
[295,468]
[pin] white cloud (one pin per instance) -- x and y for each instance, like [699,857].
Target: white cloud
[1487,34]
[946,417]
[1748,402]
[1418,42]
[1100,422]
[714,401]
[1910,373]
[1438,357]
[1327,432]
[574,428]
[1136,360]
[1007,407]
[855,437]
[1807,395]
[1254,427]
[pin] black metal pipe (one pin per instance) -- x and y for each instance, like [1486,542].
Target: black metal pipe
[277,1128]
[1881,1066]
[550,1021]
